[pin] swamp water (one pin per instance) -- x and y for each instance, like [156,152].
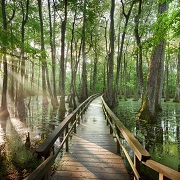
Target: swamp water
[40,121]
[162,138]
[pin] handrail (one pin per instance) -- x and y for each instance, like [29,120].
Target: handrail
[137,148]
[46,148]
[42,169]
[162,170]
[141,155]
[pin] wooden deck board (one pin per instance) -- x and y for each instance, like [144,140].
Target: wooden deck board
[92,153]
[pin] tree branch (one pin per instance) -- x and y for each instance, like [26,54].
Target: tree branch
[11,18]
[123,9]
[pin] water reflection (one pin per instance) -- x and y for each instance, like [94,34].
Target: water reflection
[40,121]
[3,122]
[161,139]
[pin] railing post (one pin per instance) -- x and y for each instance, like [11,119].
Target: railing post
[47,154]
[74,119]
[78,116]
[118,145]
[136,164]
[86,106]
[67,140]
[111,129]
[162,177]
[81,115]
[107,119]
[47,175]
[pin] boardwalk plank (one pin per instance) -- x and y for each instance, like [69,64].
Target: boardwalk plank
[92,153]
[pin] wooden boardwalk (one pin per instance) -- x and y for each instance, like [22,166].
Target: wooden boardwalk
[92,152]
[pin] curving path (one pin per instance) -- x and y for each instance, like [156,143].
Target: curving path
[92,153]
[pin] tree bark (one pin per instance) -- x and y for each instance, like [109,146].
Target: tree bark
[160,72]
[152,101]
[136,96]
[4,110]
[166,92]
[84,91]
[139,70]
[111,58]
[119,59]
[177,92]
[21,90]
[12,70]
[53,56]
[43,57]
[95,73]
[74,66]
[105,70]
[62,108]
[125,77]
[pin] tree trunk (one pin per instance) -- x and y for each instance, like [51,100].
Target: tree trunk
[43,56]
[166,92]
[21,90]
[151,103]
[94,75]
[120,54]
[111,58]
[53,56]
[125,77]
[105,70]
[148,108]
[136,83]
[12,79]
[62,108]
[139,70]
[177,92]
[118,92]
[4,110]
[74,66]
[160,72]
[95,70]
[53,100]
[45,74]
[84,91]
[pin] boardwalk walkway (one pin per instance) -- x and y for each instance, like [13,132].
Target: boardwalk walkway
[92,153]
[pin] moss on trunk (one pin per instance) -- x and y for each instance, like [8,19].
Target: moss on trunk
[144,112]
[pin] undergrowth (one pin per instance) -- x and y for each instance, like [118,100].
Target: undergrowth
[18,163]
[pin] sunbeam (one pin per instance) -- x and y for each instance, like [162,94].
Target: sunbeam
[2,136]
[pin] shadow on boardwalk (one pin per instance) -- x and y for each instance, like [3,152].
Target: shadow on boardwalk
[92,153]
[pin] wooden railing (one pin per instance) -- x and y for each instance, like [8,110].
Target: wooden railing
[46,149]
[141,155]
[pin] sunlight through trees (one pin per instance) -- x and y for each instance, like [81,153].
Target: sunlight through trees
[75,48]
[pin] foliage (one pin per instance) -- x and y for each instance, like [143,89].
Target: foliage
[3,172]
[175,20]
[17,163]
[152,28]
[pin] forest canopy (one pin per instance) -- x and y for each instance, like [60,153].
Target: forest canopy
[75,48]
